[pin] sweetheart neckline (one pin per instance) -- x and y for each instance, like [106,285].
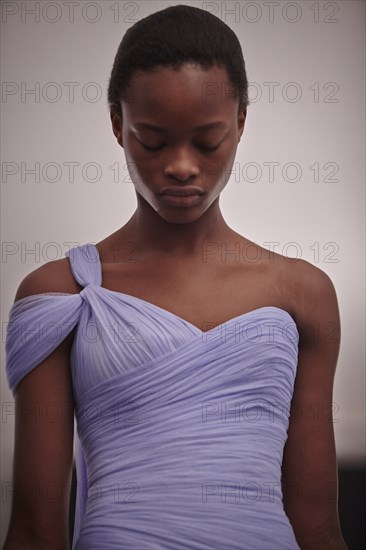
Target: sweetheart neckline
[201,332]
[217,327]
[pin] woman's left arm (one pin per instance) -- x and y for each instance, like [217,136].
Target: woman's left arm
[309,468]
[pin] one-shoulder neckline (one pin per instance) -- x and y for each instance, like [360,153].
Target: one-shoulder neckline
[163,310]
[234,319]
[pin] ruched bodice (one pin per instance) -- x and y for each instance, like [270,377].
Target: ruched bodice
[180,433]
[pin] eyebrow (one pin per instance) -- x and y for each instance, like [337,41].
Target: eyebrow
[215,124]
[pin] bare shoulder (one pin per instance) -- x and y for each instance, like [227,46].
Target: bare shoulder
[54,276]
[298,279]
[306,280]
[304,290]
[312,297]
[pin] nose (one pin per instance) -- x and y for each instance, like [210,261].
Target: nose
[181,165]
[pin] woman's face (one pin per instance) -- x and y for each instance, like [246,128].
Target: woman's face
[167,151]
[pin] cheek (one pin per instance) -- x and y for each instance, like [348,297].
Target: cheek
[139,167]
[218,169]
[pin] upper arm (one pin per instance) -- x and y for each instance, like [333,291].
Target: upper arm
[309,470]
[43,449]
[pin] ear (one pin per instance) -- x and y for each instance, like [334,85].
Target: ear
[117,121]
[241,122]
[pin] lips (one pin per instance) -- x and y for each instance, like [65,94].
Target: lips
[182,197]
[181,191]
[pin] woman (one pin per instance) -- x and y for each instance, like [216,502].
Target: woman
[200,379]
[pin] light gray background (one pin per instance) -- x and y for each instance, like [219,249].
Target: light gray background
[309,54]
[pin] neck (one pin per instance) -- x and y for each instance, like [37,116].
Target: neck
[151,233]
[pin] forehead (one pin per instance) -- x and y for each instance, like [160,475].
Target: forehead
[190,91]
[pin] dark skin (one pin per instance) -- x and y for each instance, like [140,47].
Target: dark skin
[172,257]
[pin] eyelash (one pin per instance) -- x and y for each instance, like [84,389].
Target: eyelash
[206,149]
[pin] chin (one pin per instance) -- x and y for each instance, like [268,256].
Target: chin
[171,214]
[179,218]
[180,215]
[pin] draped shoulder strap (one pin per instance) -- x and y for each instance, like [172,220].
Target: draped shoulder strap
[37,325]
[85,264]
[40,322]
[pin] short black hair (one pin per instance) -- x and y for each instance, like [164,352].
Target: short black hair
[174,36]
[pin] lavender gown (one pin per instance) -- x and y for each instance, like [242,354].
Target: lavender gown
[179,433]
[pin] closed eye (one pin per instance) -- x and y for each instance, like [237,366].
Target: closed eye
[151,148]
[210,149]
[202,147]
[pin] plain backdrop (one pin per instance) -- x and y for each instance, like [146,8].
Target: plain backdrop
[297,183]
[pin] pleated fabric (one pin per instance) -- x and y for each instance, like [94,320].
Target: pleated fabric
[179,432]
